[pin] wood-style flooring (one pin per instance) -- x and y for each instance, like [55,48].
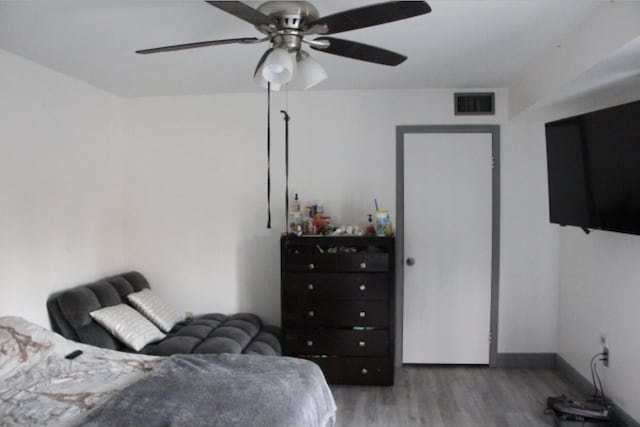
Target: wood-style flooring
[453,396]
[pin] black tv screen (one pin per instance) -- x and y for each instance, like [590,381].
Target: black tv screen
[593,166]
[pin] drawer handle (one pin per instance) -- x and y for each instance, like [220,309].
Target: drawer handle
[363,265]
[310,313]
[363,314]
[309,343]
[364,371]
[311,266]
[363,287]
[310,286]
[362,344]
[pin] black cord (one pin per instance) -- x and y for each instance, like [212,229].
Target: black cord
[595,369]
[595,378]
[268,155]
[597,383]
[286,166]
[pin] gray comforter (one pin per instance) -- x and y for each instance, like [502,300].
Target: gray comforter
[222,390]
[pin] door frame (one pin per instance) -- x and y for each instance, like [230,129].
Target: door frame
[494,130]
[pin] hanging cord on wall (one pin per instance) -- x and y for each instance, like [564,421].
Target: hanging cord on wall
[268,155]
[286,168]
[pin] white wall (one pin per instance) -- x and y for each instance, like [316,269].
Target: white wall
[196,202]
[60,185]
[175,187]
[599,294]
[196,195]
[529,252]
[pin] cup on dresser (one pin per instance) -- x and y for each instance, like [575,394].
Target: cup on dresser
[381,222]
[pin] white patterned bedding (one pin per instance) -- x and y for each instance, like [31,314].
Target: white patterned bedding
[38,386]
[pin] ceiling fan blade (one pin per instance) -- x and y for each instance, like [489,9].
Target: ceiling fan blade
[368,16]
[244,12]
[363,52]
[198,44]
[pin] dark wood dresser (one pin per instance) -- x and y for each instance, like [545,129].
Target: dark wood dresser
[338,305]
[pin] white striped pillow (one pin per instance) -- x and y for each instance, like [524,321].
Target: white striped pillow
[153,308]
[127,325]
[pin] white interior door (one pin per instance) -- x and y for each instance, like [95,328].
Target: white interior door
[447,232]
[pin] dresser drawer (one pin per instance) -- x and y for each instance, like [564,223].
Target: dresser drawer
[343,262]
[363,261]
[351,286]
[336,313]
[311,262]
[336,342]
[355,370]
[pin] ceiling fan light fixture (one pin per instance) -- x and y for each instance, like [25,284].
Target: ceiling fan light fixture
[309,72]
[278,68]
[261,81]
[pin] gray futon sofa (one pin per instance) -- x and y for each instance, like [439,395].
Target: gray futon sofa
[208,333]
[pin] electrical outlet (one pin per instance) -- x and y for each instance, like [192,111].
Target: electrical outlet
[605,356]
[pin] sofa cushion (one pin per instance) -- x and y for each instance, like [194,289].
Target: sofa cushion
[267,342]
[217,333]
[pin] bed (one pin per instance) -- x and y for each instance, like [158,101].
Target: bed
[101,387]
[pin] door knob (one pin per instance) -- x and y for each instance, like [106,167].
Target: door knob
[410,261]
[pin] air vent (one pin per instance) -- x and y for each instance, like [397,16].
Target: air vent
[474,103]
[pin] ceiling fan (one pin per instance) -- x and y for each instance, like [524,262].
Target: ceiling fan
[286,26]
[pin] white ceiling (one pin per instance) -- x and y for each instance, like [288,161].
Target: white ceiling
[460,44]
[616,77]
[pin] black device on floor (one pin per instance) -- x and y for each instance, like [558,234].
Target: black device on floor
[582,413]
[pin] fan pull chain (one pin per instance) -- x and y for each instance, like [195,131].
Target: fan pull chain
[286,154]
[268,155]
[286,168]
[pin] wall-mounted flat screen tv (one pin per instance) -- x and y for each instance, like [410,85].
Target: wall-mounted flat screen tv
[593,165]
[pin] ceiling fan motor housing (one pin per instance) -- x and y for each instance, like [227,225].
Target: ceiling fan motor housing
[292,15]
[291,19]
